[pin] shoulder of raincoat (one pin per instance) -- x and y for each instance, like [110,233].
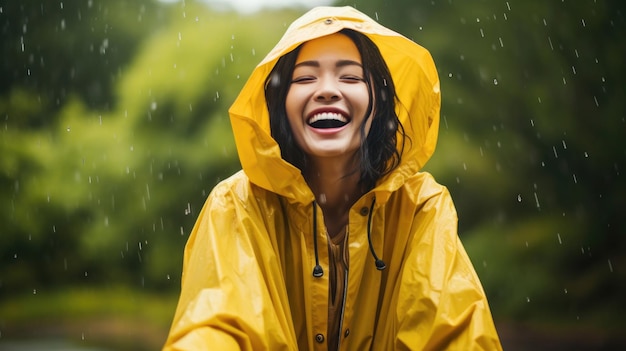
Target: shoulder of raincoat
[247,279]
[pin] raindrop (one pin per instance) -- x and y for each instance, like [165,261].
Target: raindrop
[550,41]
[558,235]
[188,209]
[104,46]
[519,197]
[610,266]
[63,24]
[527,299]
[153,105]
[565,290]
[537,201]
[68,129]
[322,198]
[586,154]
[34,291]
[575,180]
[495,81]
[182,232]
[275,81]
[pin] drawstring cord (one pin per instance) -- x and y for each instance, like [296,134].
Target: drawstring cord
[380,264]
[318,271]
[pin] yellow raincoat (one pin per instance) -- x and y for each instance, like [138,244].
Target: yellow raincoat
[247,278]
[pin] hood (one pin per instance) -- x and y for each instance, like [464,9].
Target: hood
[417,87]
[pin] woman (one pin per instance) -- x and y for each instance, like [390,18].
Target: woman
[330,238]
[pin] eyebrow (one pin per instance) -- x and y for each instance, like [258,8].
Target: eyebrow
[340,63]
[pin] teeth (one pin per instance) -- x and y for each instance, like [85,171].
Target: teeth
[328,116]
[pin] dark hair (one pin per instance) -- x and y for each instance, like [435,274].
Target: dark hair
[378,153]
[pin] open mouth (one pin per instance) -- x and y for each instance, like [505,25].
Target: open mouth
[327,120]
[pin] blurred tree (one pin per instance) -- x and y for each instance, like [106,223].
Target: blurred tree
[104,188]
[54,54]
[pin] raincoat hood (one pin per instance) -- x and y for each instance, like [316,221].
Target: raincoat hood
[417,88]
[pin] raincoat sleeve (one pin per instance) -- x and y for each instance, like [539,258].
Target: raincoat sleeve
[451,312]
[230,297]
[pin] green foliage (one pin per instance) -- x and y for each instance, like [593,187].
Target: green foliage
[109,192]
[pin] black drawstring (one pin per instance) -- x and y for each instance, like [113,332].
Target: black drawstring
[380,264]
[317,270]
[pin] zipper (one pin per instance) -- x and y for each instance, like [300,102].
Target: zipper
[345,292]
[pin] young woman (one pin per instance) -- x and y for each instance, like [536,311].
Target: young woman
[330,238]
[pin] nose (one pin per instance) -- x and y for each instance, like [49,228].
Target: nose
[327,91]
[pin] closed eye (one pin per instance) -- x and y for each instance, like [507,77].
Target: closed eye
[303,79]
[352,79]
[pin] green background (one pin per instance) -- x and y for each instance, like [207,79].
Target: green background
[114,129]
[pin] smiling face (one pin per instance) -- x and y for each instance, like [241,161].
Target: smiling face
[328,98]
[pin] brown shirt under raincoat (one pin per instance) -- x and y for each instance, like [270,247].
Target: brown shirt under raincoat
[247,280]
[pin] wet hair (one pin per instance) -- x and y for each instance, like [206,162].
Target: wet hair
[378,154]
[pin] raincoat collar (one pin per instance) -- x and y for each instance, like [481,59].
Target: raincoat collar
[417,88]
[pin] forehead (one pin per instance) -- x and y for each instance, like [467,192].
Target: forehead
[333,46]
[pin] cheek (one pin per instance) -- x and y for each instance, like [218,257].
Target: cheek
[294,104]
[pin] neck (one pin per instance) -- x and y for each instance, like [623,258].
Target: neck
[335,185]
